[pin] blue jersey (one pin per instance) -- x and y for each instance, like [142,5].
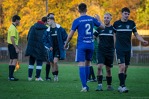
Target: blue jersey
[84,25]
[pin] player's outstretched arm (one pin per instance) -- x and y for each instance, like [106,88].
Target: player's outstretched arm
[140,38]
[68,39]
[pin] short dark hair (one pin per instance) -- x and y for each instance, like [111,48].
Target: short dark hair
[82,7]
[15,17]
[125,9]
[50,14]
[44,19]
[52,18]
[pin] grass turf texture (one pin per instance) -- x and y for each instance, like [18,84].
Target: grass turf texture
[69,84]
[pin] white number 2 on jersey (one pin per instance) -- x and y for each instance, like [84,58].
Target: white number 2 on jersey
[88,27]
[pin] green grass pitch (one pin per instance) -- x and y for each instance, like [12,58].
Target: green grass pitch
[69,84]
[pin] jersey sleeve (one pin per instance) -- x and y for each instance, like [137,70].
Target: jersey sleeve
[134,29]
[114,27]
[74,25]
[96,32]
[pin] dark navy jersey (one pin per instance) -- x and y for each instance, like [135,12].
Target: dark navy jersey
[106,41]
[53,33]
[84,24]
[123,32]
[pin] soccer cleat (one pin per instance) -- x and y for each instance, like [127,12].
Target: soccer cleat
[92,80]
[99,88]
[110,88]
[48,79]
[88,80]
[55,78]
[84,89]
[30,78]
[87,88]
[125,90]
[122,89]
[39,79]
[13,79]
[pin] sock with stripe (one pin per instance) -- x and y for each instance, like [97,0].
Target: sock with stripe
[30,70]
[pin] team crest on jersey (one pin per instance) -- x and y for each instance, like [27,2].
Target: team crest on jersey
[127,26]
[55,32]
[120,26]
[102,30]
[110,31]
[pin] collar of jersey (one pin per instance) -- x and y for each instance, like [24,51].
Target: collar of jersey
[57,25]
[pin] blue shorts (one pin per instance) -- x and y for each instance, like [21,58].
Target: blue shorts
[105,58]
[83,54]
[123,57]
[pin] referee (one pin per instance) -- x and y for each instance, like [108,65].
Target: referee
[12,40]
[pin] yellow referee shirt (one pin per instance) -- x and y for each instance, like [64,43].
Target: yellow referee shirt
[12,31]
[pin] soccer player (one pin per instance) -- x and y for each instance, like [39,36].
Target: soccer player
[85,46]
[92,77]
[53,39]
[105,53]
[35,48]
[123,29]
[12,40]
[48,65]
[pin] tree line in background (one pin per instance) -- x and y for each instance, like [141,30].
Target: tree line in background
[66,11]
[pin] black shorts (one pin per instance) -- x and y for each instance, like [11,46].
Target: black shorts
[56,53]
[12,52]
[123,57]
[105,58]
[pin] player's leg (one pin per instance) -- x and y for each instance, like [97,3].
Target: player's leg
[92,74]
[89,77]
[88,58]
[121,75]
[109,78]
[52,63]
[125,73]
[38,70]
[80,58]
[31,67]
[48,67]
[100,59]
[109,64]
[11,70]
[12,62]
[99,77]
[127,62]
[92,77]
[53,68]
[55,62]
[56,54]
